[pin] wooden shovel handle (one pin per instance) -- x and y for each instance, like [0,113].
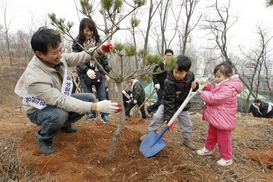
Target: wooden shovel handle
[146,100]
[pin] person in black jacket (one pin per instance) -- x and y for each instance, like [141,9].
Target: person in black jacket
[158,79]
[261,109]
[138,97]
[127,95]
[90,74]
[76,83]
[177,86]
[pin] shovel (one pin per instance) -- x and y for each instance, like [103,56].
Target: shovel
[136,111]
[154,142]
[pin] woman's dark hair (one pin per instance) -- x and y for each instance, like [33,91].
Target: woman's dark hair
[224,68]
[183,63]
[43,38]
[88,23]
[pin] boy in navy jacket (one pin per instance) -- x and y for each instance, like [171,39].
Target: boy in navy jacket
[177,86]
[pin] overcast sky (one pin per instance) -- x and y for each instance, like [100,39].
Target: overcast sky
[21,13]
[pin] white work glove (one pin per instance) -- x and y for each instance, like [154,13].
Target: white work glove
[91,74]
[157,86]
[135,101]
[107,106]
[107,78]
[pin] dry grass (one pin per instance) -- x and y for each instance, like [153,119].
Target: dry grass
[11,166]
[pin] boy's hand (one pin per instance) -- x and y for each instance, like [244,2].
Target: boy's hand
[171,128]
[193,85]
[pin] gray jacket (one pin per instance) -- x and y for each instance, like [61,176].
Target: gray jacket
[45,83]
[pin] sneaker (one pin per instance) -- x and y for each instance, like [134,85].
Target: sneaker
[204,151]
[223,162]
[105,119]
[189,144]
[91,116]
[46,147]
[69,129]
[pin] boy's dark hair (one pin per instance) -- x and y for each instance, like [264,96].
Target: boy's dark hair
[224,68]
[89,23]
[43,38]
[257,101]
[183,63]
[168,51]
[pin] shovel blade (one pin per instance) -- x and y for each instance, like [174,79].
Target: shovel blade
[152,144]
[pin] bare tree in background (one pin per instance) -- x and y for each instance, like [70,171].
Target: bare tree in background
[4,7]
[2,44]
[159,31]
[255,72]
[152,10]
[189,7]
[219,26]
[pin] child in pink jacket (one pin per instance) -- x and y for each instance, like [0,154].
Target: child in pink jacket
[220,111]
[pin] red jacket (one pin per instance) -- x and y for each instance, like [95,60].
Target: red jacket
[221,103]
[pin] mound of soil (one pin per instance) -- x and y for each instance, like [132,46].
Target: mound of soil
[81,156]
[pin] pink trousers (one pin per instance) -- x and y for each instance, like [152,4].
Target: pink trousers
[223,138]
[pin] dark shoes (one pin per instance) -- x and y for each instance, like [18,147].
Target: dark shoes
[69,129]
[46,147]
[105,119]
[91,117]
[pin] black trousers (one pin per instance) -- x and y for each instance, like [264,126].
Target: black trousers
[131,105]
[153,107]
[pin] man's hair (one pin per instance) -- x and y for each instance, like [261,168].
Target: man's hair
[43,38]
[88,23]
[183,63]
[257,101]
[224,68]
[168,51]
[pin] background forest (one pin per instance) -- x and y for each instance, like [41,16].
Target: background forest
[153,26]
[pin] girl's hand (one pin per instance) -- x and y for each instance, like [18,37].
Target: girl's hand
[202,82]
[199,92]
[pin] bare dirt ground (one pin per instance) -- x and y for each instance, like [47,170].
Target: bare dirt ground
[81,156]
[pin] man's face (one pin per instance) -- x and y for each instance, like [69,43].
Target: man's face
[257,104]
[168,56]
[131,80]
[74,74]
[52,57]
